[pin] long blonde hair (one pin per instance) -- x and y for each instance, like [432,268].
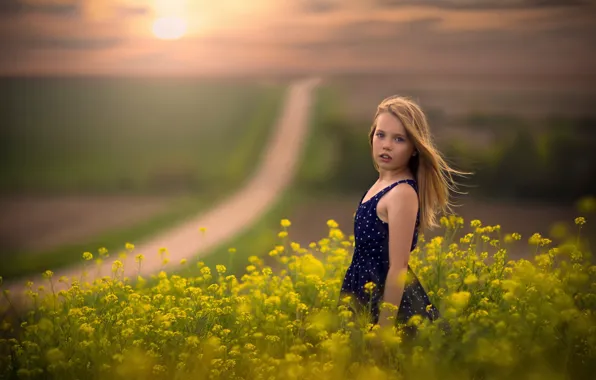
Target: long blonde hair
[433,174]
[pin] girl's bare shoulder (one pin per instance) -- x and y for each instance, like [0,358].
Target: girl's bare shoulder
[402,195]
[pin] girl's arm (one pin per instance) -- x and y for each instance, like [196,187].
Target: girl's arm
[402,207]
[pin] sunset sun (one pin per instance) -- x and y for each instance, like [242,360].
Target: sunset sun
[169,28]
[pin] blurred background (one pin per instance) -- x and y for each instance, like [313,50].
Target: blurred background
[123,117]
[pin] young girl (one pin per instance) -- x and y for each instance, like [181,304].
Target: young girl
[413,185]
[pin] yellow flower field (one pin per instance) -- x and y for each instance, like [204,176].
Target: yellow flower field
[501,318]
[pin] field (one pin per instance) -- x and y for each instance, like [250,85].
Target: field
[500,318]
[89,162]
[514,307]
[97,135]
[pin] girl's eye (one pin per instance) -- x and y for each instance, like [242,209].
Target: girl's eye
[399,139]
[379,134]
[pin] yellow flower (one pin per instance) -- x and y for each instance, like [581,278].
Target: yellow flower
[369,286]
[310,265]
[544,241]
[335,233]
[274,301]
[467,239]
[87,256]
[251,268]
[444,221]
[436,241]
[580,221]
[415,320]
[255,260]
[282,234]
[475,223]
[129,246]
[323,242]
[221,269]
[470,279]
[86,328]
[460,299]
[332,223]
[285,223]
[117,265]
[535,239]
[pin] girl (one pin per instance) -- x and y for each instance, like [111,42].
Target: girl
[413,185]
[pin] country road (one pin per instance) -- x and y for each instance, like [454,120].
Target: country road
[225,220]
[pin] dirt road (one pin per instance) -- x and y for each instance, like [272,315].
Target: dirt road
[225,220]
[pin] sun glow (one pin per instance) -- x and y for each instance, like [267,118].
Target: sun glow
[171,21]
[169,28]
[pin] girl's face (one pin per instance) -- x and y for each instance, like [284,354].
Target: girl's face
[391,146]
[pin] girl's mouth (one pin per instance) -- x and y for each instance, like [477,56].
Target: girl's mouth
[385,157]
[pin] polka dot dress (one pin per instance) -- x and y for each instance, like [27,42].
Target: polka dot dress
[370,263]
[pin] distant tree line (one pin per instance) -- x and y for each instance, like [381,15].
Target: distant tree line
[554,160]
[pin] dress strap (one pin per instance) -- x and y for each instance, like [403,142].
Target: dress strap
[382,192]
[411,182]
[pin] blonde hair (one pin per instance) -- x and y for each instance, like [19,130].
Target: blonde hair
[433,174]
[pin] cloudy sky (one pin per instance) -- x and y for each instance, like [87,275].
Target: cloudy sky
[450,36]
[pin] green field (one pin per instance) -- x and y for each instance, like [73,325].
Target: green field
[131,135]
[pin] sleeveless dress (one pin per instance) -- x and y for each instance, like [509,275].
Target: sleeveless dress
[370,262]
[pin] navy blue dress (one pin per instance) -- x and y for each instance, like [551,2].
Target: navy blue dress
[370,262]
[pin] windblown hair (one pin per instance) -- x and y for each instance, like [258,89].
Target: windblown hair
[432,172]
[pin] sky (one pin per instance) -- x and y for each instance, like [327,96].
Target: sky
[116,37]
